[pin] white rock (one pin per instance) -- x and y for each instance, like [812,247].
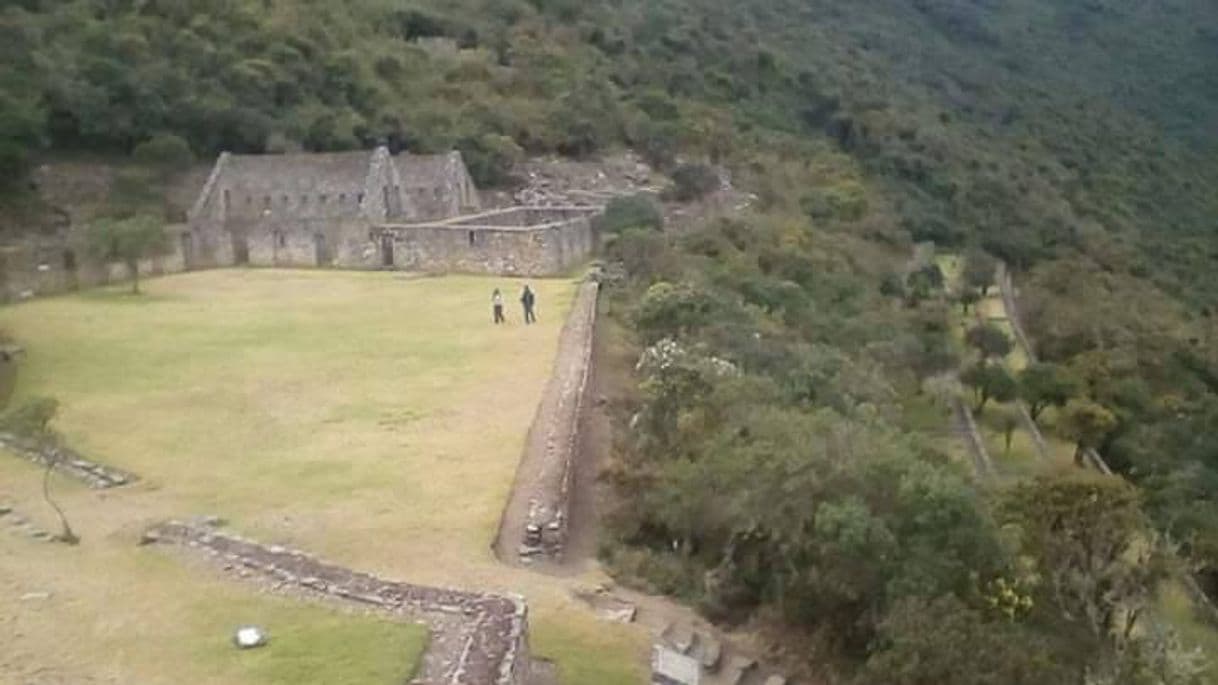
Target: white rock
[248,637]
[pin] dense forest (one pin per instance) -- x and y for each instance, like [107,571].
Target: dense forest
[773,459]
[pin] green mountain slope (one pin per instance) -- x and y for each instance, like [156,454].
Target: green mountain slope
[1075,139]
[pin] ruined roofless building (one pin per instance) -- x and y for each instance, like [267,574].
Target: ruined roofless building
[366,210]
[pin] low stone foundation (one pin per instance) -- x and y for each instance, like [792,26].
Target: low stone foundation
[484,636]
[67,461]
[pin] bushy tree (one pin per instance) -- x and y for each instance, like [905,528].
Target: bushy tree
[989,382]
[693,181]
[128,241]
[1093,547]
[164,150]
[632,211]
[946,642]
[968,297]
[670,310]
[1043,385]
[989,340]
[1087,423]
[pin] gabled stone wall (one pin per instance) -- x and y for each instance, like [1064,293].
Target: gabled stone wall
[519,241]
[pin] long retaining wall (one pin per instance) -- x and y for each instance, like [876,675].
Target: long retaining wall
[536,517]
[483,637]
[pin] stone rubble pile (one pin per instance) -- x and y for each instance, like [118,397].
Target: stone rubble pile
[551,182]
[22,525]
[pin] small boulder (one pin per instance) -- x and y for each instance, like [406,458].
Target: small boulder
[249,637]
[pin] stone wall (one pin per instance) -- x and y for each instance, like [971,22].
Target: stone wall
[66,460]
[484,636]
[437,186]
[50,267]
[535,520]
[520,241]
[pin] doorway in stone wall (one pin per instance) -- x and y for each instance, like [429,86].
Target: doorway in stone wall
[387,251]
[321,250]
[241,248]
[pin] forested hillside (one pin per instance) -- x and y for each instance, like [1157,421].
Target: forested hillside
[777,468]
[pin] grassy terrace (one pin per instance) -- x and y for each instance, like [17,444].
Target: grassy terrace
[1173,604]
[369,418]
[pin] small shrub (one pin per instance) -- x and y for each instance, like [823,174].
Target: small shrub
[164,150]
[694,181]
[32,419]
[634,211]
[645,254]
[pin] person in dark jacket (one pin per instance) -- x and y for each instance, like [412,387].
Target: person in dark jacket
[497,305]
[528,300]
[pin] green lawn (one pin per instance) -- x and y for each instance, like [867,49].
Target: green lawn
[373,419]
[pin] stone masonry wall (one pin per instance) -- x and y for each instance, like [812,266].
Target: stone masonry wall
[520,241]
[48,268]
[484,636]
[536,518]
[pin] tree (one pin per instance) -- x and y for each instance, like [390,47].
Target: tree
[1087,423]
[165,151]
[128,241]
[968,298]
[989,381]
[633,211]
[1008,421]
[979,269]
[32,420]
[672,310]
[989,340]
[1094,550]
[694,181]
[1042,385]
[946,642]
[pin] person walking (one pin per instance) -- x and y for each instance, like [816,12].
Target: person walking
[528,299]
[497,306]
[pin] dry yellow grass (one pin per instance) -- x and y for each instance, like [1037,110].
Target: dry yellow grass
[373,420]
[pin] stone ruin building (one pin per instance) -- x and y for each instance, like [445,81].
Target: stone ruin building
[372,210]
[352,210]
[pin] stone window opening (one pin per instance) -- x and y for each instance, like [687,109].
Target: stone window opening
[266,200]
[342,197]
[360,198]
[473,237]
[321,198]
[285,200]
[69,260]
